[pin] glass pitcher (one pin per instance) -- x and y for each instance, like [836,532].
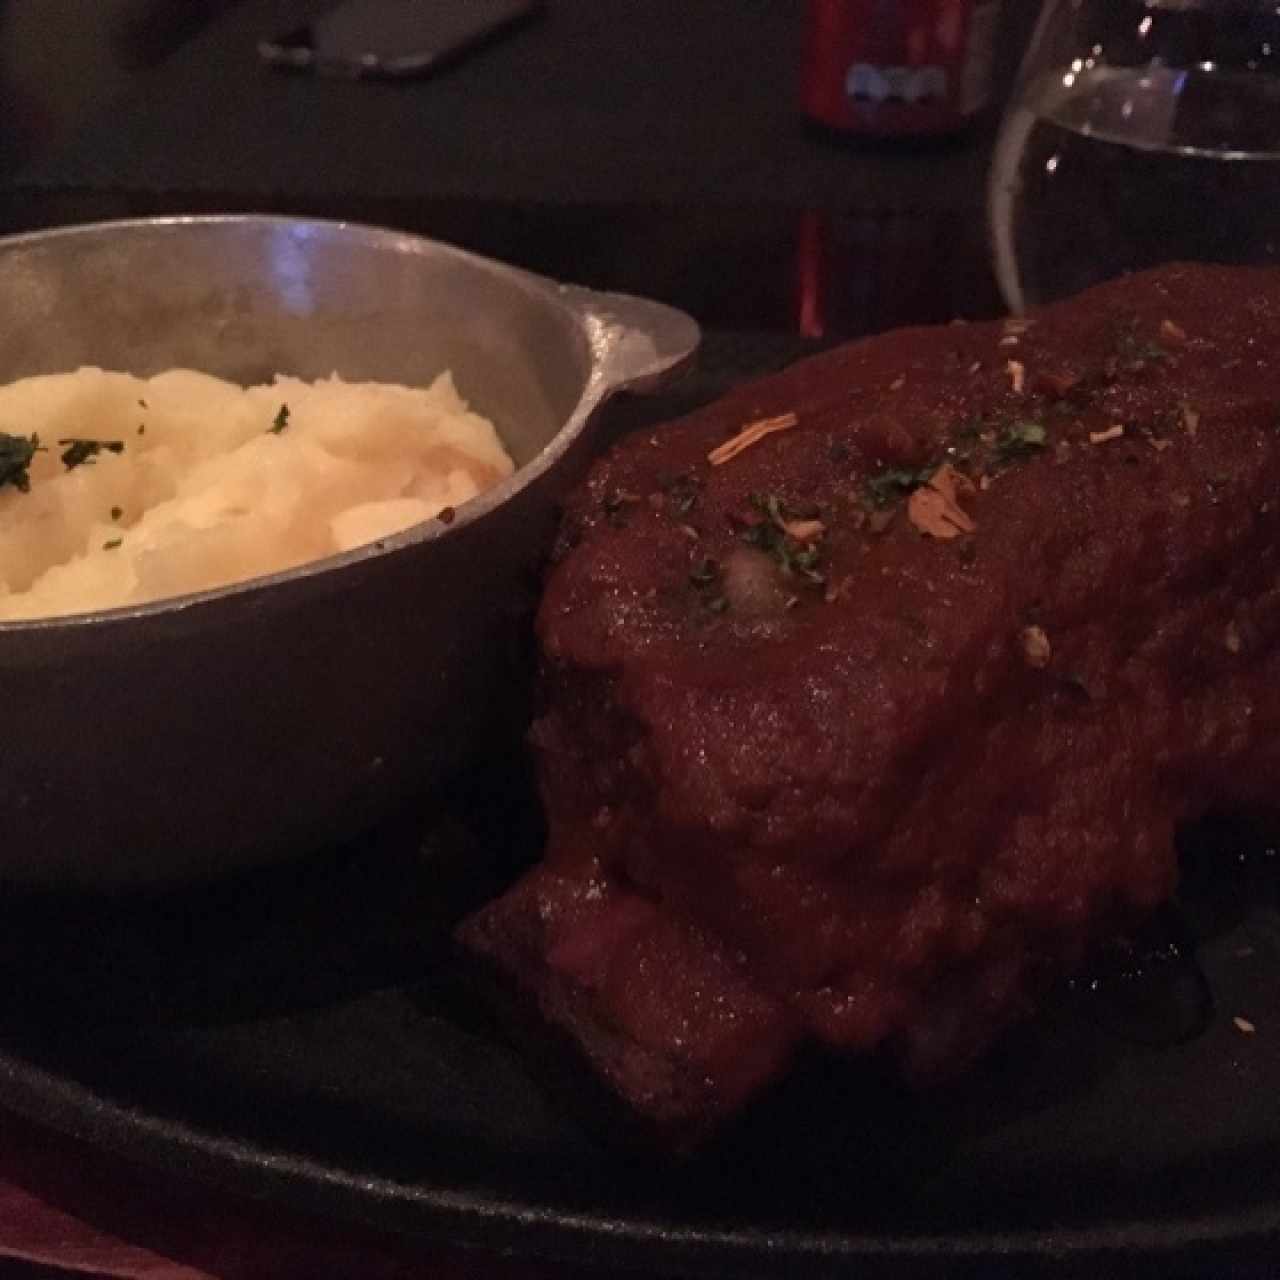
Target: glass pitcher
[1140,132]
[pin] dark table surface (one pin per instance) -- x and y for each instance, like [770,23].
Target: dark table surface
[627,144]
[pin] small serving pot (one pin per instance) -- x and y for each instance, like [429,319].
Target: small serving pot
[198,735]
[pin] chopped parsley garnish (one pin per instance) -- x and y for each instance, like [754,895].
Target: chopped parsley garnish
[615,505]
[16,453]
[706,579]
[802,561]
[965,443]
[887,486]
[1021,440]
[770,506]
[112,544]
[794,558]
[1134,351]
[280,421]
[681,492]
[1140,352]
[975,439]
[78,451]
[705,572]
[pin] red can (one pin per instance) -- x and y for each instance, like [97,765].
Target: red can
[899,66]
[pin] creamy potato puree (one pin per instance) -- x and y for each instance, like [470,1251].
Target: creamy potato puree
[214,483]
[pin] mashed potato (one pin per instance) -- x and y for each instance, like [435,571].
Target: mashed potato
[144,488]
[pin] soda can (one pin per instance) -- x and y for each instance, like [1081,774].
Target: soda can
[898,67]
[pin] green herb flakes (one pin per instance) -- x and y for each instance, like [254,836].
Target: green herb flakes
[681,492]
[705,572]
[280,421]
[79,452]
[1021,440]
[886,487]
[615,505]
[794,558]
[16,453]
[1136,352]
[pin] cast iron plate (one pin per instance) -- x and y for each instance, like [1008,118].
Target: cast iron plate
[305,1034]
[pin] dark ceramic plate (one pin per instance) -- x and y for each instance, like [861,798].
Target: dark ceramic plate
[306,1035]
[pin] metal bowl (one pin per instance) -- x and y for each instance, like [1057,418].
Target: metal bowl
[201,734]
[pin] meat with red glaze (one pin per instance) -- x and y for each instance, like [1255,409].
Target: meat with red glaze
[818,766]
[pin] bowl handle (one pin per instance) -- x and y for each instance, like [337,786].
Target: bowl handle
[639,345]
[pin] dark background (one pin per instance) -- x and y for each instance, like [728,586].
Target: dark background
[62,62]
[626,144]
